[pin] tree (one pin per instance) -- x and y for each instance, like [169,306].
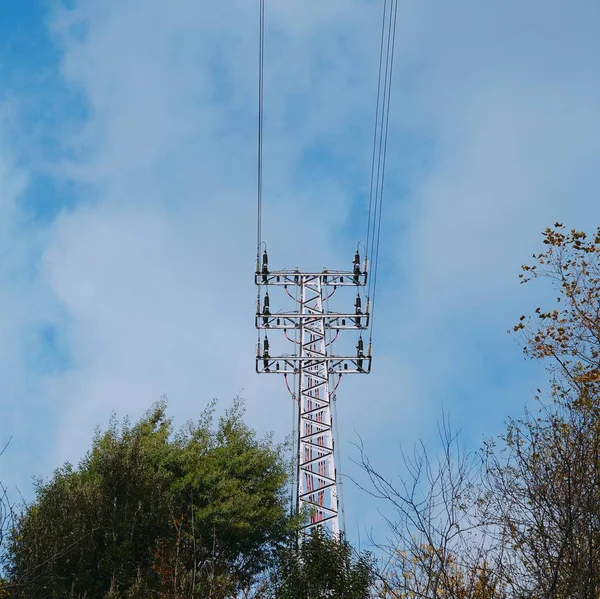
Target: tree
[321,567]
[148,513]
[437,548]
[544,503]
[527,524]
[7,513]
[544,493]
[569,334]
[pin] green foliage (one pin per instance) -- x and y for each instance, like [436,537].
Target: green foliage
[150,513]
[325,567]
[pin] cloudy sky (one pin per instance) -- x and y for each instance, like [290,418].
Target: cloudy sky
[127,205]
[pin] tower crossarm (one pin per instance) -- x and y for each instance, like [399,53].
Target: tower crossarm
[291,320]
[328,278]
[291,364]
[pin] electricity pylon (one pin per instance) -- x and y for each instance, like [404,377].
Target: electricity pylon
[314,330]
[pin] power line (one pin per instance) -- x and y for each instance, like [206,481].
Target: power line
[380,130]
[381,160]
[376,127]
[261,62]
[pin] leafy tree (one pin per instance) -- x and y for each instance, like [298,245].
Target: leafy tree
[544,493]
[324,567]
[569,334]
[527,524]
[150,513]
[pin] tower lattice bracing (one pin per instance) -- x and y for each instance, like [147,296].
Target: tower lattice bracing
[317,486]
[312,329]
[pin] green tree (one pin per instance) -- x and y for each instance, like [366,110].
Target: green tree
[150,513]
[324,567]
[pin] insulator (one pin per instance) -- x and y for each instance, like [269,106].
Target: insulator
[324,276]
[360,354]
[357,258]
[265,266]
[277,366]
[278,279]
[296,276]
[266,354]
[278,321]
[343,322]
[341,279]
[358,306]
[345,366]
[266,310]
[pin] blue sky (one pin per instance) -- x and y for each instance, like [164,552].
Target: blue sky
[127,178]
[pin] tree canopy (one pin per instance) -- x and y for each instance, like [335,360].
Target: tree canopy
[197,513]
[325,567]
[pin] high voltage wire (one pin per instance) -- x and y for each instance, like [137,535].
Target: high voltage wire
[382,121]
[378,103]
[261,62]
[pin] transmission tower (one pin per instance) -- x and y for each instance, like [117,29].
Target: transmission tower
[312,329]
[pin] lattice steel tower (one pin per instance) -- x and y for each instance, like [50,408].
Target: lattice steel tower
[312,329]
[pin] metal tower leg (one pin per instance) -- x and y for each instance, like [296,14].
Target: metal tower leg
[317,489]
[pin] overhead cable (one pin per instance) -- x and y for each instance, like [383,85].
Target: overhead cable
[381,134]
[375,130]
[261,62]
